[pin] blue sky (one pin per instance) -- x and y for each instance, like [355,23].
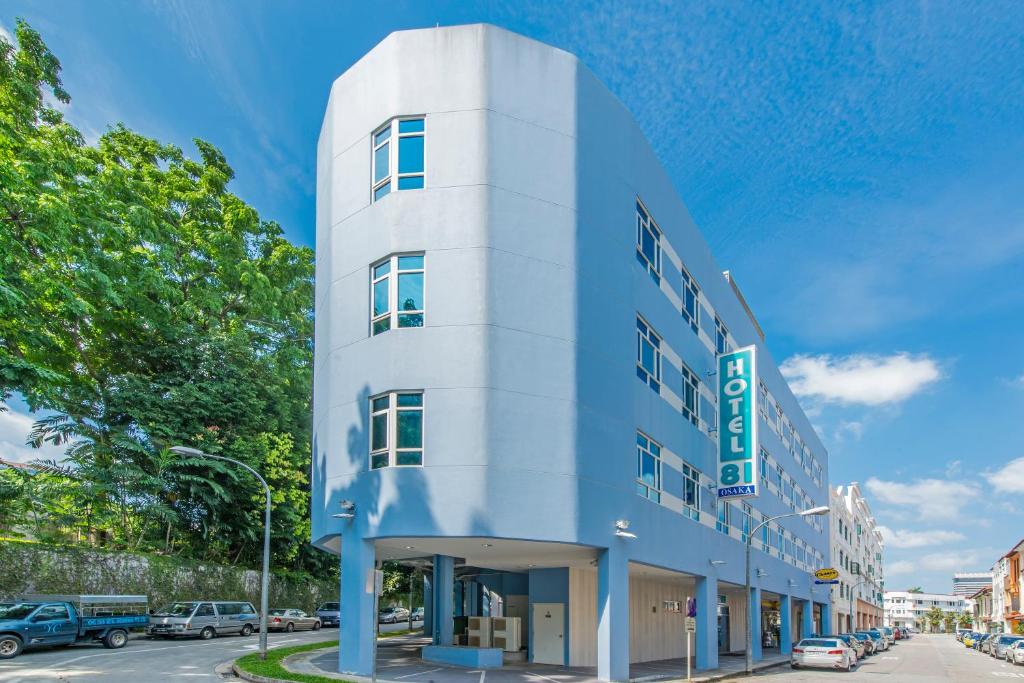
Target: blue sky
[856,166]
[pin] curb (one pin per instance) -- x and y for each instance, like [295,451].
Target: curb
[255,678]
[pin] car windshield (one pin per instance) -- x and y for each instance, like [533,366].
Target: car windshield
[860,636]
[329,606]
[16,610]
[819,643]
[176,609]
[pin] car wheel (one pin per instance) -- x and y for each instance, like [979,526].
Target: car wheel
[10,647]
[316,625]
[793,666]
[247,630]
[115,640]
[289,628]
[207,633]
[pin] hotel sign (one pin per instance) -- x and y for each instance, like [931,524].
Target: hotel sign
[737,424]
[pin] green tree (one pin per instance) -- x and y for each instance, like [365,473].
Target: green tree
[965,620]
[933,618]
[146,305]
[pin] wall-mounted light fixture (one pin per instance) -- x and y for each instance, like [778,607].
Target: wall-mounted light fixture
[716,563]
[622,529]
[348,510]
[761,573]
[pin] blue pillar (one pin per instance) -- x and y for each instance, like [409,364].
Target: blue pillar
[428,604]
[754,614]
[613,615]
[785,628]
[444,591]
[472,598]
[826,619]
[706,637]
[807,619]
[460,599]
[358,623]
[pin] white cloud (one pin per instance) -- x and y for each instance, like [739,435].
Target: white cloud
[859,378]
[1009,478]
[933,499]
[853,429]
[14,429]
[7,35]
[905,538]
[934,562]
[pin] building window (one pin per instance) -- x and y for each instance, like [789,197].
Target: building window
[691,493]
[398,148]
[396,292]
[691,392]
[648,467]
[724,517]
[721,336]
[691,301]
[396,429]
[648,355]
[648,242]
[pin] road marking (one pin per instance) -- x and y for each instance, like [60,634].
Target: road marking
[544,677]
[483,675]
[417,673]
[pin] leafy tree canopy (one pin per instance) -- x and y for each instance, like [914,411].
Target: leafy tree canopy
[146,305]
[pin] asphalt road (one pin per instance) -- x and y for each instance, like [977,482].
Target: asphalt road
[143,660]
[922,659]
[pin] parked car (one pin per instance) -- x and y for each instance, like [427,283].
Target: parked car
[968,638]
[997,646]
[289,620]
[867,641]
[203,618]
[417,614]
[393,615]
[880,636]
[896,633]
[329,614]
[986,640]
[888,634]
[854,644]
[826,653]
[1015,652]
[36,621]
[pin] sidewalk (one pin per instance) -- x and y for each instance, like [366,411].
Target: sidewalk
[398,661]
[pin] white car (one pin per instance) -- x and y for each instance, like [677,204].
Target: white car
[825,653]
[1015,653]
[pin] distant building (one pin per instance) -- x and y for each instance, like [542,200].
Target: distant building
[903,608]
[966,584]
[856,551]
[983,620]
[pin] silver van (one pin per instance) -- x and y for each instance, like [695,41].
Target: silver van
[203,618]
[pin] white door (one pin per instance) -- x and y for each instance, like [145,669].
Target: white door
[548,624]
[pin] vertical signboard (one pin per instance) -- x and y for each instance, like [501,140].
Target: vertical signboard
[737,424]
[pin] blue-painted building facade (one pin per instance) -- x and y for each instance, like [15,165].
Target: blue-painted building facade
[517,332]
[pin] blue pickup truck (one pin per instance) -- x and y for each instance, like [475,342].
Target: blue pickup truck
[32,621]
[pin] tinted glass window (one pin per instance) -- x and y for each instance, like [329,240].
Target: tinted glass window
[52,613]
[205,610]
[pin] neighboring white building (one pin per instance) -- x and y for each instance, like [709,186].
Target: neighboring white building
[1000,573]
[903,608]
[856,551]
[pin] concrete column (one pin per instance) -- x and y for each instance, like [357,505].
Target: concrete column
[428,603]
[826,619]
[444,590]
[613,615]
[706,636]
[785,626]
[460,599]
[754,614]
[472,589]
[807,619]
[358,623]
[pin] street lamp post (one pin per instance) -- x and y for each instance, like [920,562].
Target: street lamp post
[265,580]
[822,510]
[855,587]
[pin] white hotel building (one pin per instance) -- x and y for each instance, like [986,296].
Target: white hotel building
[903,608]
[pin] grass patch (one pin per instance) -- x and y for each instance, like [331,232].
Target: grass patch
[271,667]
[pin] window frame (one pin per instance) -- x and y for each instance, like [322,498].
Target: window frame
[691,475]
[690,287]
[393,314]
[645,222]
[644,333]
[394,176]
[722,344]
[644,489]
[392,410]
[692,383]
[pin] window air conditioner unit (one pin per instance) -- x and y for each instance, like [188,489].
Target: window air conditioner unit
[479,632]
[508,633]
